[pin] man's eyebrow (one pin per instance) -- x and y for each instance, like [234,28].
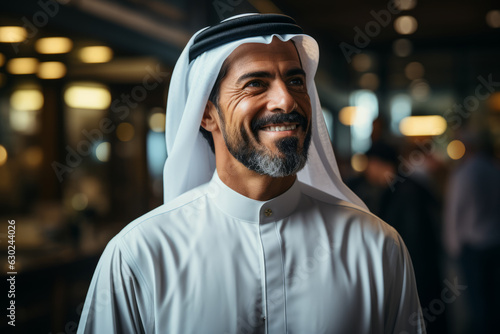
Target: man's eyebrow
[295,71]
[264,74]
[258,74]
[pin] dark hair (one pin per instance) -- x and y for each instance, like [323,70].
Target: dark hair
[214,98]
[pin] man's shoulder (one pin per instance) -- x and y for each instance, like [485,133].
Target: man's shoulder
[345,216]
[176,213]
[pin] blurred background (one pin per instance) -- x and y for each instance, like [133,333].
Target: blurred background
[411,96]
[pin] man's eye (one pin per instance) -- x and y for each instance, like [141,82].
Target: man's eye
[297,82]
[254,84]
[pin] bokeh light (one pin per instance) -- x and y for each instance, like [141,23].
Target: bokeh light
[402,47]
[51,70]
[455,149]
[493,18]
[27,65]
[432,125]
[12,34]
[3,155]
[414,70]
[79,201]
[405,25]
[53,45]
[95,54]
[369,81]
[362,62]
[26,99]
[125,131]
[405,4]
[157,122]
[102,151]
[87,96]
[359,162]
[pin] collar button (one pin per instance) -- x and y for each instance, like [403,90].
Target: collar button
[268,212]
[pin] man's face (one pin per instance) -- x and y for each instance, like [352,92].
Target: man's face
[264,108]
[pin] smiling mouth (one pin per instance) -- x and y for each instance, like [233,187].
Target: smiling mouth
[284,127]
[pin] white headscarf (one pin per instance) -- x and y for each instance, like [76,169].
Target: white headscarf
[191,162]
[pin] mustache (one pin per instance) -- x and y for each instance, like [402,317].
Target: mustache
[293,117]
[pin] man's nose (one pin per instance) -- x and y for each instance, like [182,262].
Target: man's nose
[280,99]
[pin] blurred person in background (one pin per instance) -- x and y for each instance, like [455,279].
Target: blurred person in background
[400,193]
[472,228]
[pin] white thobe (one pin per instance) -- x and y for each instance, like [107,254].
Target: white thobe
[214,261]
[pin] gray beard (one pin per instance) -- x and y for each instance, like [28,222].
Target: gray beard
[275,166]
[264,162]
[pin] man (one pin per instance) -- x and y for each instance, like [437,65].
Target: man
[241,245]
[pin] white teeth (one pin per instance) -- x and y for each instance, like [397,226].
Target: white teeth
[281,128]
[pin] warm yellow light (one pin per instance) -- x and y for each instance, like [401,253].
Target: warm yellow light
[494,102]
[79,201]
[455,149]
[405,25]
[369,81]
[51,70]
[23,121]
[414,70]
[125,131]
[347,115]
[33,156]
[3,155]
[493,18]
[87,97]
[26,99]
[95,54]
[420,89]
[54,45]
[2,59]
[359,162]
[362,62]
[12,34]
[157,122]
[405,4]
[102,151]
[22,65]
[423,125]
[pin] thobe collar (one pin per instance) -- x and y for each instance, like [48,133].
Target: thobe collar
[250,210]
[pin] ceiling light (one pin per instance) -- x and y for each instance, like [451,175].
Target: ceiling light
[87,96]
[51,70]
[95,54]
[433,125]
[26,99]
[12,34]
[53,45]
[405,25]
[22,65]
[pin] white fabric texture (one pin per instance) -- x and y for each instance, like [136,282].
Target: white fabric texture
[214,261]
[190,161]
